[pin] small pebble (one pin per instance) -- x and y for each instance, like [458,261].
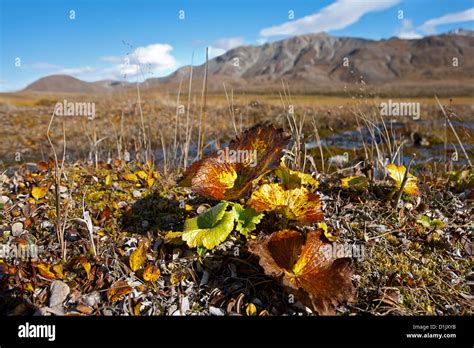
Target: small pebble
[17,228]
[216,311]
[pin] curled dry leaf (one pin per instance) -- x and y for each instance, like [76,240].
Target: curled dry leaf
[298,204]
[6,269]
[306,267]
[118,290]
[42,166]
[330,235]
[397,173]
[229,174]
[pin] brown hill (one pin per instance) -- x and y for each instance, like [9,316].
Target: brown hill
[69,84]
[318,60]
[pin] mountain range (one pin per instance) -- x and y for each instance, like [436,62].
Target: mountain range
[309,62]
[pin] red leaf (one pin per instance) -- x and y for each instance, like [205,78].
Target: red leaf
[229,174]
[306,268]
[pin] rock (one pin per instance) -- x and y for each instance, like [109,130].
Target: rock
[202,208]
[91,299]
[172,309]
[4,199]
[59,292]
[184,305]
[216,311]
[137,194]
[17,228]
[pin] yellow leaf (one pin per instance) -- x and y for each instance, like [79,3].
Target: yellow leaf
[150,181]
[397,173]
[357,182]
[294,179]
[39,192]
[131,177]
[151,273]
[29,287]
[251,310]
[141,174]
[137,308]
[108,180]
[96,196]
[174,238]
[138,256]
[188,207]
[298,204]
[58,269]
[44,270]
[86,265]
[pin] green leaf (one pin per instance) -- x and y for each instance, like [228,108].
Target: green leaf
[207,219]
[201,251]
[426,222]
[247,218]
[210,237]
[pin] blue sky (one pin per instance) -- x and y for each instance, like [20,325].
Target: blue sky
[125,39]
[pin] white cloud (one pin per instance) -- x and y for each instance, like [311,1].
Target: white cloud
[44,66]
[157,55]
[407,31]
[214,52]
[228,43]
[153,59]
[76,71]
[111,59]
[338,15]
[222,45]
[429,27]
